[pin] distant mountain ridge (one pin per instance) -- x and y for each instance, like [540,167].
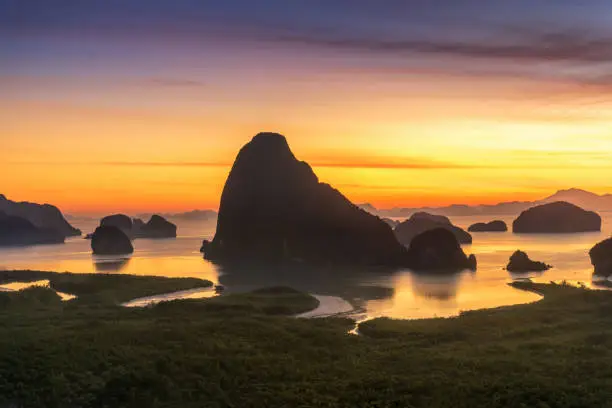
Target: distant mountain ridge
[193,215]
[45,216]
[582,198]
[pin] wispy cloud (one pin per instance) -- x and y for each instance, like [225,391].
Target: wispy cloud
[566,46]
[172,82]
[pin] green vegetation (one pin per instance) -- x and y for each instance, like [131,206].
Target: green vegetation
[105,288]
[237,351]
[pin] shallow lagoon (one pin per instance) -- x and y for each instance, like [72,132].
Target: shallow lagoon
[399,294]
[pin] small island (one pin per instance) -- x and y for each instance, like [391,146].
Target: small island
[110,240]
[492,226]
[601,258]
[420,222]
[520,262]
[556,218]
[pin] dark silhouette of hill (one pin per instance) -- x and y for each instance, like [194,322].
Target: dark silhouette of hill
[520,262]
[110,240]
[273,207]
[194,215]
[556,217]
[156,227]
[601,258]
[438,249]
[44,216]
[421,222]
[581,198]
[491,226]
[18,231]
[121,221]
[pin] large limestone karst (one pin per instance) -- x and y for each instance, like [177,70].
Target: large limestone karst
[273,207]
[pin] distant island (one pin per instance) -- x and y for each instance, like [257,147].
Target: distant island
[582,198]
[193,215]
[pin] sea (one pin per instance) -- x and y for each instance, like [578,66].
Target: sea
[399,293]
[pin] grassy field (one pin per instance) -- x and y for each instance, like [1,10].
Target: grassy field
[240,351]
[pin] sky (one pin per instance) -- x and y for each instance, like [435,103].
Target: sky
[142,105]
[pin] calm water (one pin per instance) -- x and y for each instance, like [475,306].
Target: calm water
[400,294]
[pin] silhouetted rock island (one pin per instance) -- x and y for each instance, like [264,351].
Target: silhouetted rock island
[557,217]
[110,240]
[520,262]
[43,216]
[157,227]
[273,207]
[121,221]
[601,258]
[420,222]
[438,249]
[492,226]
[18,231]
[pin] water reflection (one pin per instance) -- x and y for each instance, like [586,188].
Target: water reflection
[438,287]
[394,293]
[109,264]
[419,295]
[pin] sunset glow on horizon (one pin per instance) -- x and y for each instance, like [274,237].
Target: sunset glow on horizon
[139,109]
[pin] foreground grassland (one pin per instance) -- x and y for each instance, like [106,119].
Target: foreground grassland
[239,351]
[105,288]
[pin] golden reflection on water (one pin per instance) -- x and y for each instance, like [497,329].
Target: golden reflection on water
[419,296]
[407,295]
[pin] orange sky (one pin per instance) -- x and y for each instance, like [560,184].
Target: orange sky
[96,120]
[391,145]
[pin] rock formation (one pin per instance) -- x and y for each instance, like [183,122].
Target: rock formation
[492,226]
[601,258]
[18,231]
[421,222]
[438,249]
[121,221]
[390,222]
[44,216]
[157,227]
[273,207]
[557,217]
[110,240]
[520,262]
[137,225]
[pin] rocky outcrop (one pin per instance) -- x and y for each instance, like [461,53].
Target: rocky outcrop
[421,222]
[492,226]
[273,207]
[601,258]
[438,249]
[157,227]
[137,225]
[18,231]
[110,240]
[555,218]
[43,216]
[121,221]
[520,262]
[390,222]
